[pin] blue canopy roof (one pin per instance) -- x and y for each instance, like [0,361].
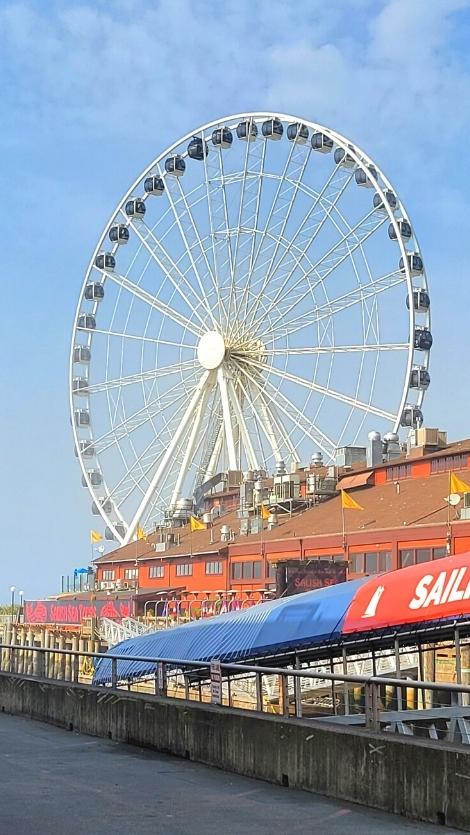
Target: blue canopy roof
[290,623]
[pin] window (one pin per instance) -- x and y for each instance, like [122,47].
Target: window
[272,570]
[398,471]
[237,570]
[385,561]
[406,558]
[438,553]
[247,570]
[157,571]
[356,564]
[130,573]
[414,556]
[214,568]
[184,569]
[370,562]
[108,574]
[449,462]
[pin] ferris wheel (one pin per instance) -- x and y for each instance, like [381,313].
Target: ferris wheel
[257,296]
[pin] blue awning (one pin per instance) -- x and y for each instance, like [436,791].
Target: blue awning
[307,619]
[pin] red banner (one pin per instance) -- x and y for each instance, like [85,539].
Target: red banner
[430,591]
[74,611]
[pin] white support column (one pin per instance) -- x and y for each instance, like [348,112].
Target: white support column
[215,455]
[249,449]
[162,467]
[190,447]
[232,458]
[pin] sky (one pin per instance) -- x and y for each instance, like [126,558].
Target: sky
[93,91]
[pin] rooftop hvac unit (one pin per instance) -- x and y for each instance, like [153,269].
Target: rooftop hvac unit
[225,533]
[466,500]
[429,437]
[234,478]
[106,584]
[158,546]
[118,584]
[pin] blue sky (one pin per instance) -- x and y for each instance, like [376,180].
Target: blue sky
[93,91]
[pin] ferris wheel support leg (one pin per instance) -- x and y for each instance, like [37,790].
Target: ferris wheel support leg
[167,457]
[249,449]
[232,458]
[215,455]
[185,464]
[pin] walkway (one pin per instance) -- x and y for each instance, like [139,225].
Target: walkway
[55,783]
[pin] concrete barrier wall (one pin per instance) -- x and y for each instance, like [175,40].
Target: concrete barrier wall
[420,779]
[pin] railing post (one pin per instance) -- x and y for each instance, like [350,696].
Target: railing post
[458,664]
[371,706]
[398,674]
[283,695]
[346,685]
[114,673]
[297,690]
[259,692]
[40,663]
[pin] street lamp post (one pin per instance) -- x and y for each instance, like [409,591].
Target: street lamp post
[20,611]
[12,589]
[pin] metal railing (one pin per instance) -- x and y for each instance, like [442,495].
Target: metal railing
[351,699]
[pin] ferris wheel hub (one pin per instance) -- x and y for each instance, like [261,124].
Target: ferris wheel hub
[211,350]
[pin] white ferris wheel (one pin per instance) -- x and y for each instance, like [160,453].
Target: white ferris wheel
[258,295]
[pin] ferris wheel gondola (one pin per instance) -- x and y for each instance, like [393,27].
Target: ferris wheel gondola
[256,314]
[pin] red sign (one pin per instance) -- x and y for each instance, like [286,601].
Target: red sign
[430,591]
[296,576]
[74,611]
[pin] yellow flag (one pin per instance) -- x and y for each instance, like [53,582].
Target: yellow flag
[264,512]
[95,536]
[457,485]
[140,533]
[348,501]
[196,524]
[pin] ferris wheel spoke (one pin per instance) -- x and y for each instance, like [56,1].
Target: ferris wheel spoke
[245,436]
[141,376]
[190,448]
[212,215]
[228,425]
[334,306]
[211,468]
[170,269]
[192,231]
[153,448]
[281,209]
[165,342]
[297,418]
[146,297]
[172,191]
[263,419]
[249,204]
[308,230]
[163,465]
[245,292]
[334,349]
[344,398]
[142,415]
[363,230]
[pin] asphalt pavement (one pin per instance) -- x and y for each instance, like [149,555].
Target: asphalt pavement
[54,782]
